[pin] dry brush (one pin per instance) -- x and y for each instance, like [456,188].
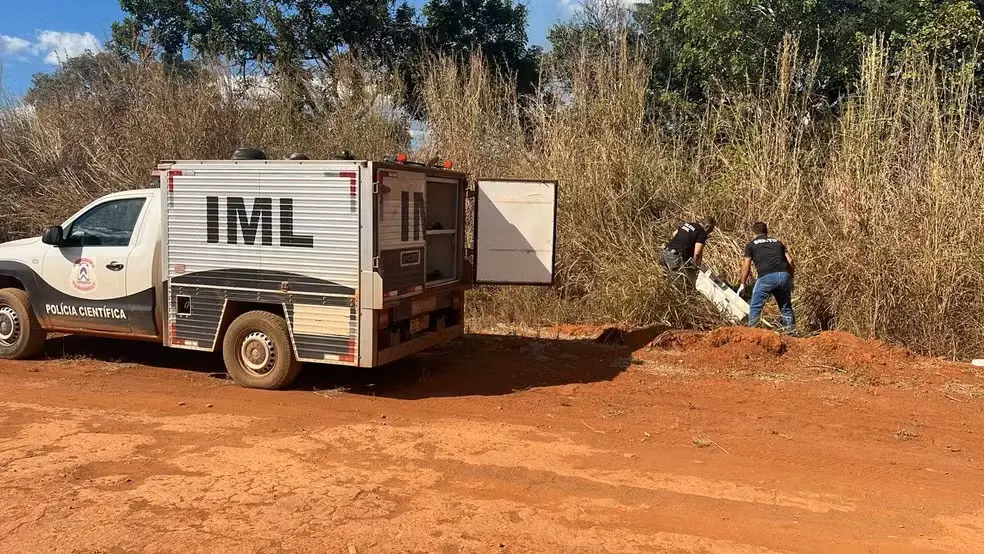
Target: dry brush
[878,198]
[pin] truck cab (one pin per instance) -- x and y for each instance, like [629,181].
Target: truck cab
[93,274]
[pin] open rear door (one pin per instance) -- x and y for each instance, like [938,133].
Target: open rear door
[515,232]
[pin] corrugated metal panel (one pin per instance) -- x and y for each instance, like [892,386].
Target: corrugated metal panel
[324,209]
[267,227]
[318,338]
[399,278]
[721,295]
[401,217]
[201,325]
[401,230]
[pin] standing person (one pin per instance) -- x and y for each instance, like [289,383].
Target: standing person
[686,244]
[775,269]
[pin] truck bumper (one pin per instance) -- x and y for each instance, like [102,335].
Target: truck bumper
[413,346]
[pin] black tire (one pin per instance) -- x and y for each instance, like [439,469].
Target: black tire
[21,335]
[258,353]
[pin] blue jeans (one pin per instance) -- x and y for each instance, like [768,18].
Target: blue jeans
[779,285]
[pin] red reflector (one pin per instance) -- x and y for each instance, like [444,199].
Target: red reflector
[350,357]
[351,176]
[172,334]
[170,179]
[401,158]
[447,164]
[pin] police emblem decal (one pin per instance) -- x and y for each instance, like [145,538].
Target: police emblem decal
[83,275]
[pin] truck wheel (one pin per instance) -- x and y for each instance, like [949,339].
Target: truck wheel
[21,335]
[258,353]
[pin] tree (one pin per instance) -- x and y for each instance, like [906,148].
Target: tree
[599,26]
[950,30]
[74,78]
[290,39]
[156,27]
[705,48]
[496,27]
[267,35]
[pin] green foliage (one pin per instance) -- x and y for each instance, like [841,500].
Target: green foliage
[261,32]
[292,39]
[460,28]
[711,50]
[950,30]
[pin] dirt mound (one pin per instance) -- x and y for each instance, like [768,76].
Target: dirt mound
[740,349]
[723,345]
[845,352]
[578,331]
[633,338]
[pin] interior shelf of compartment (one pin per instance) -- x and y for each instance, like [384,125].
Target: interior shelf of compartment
[441,232]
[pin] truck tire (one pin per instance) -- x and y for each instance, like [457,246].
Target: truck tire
[257,352]
[21,335]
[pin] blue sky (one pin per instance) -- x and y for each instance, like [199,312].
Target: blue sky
[36,34]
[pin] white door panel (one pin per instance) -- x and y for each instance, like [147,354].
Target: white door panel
[515,232]
[85,277]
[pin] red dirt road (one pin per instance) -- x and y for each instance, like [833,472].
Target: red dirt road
[498,444]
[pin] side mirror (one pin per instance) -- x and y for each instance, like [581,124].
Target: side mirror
[52,236]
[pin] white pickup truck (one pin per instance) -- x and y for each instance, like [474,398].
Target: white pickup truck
[278,262]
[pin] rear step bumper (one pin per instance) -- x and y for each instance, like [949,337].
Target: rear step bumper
[405,349]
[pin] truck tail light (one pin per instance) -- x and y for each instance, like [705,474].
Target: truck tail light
[447,164]
[384,318]
[401,158]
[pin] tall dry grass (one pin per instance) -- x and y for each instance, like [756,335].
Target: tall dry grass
[878,199]
[80,144]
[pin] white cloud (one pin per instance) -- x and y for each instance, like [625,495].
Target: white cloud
[59,46]
[12,45]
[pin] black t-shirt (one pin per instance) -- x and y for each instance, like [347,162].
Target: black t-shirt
[688,235]
[768,255]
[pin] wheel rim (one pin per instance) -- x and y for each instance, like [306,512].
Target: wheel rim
[10,328]
[258,354]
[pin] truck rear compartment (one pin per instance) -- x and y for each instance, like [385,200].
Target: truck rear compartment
[431,311]
[420,232]
[443,210]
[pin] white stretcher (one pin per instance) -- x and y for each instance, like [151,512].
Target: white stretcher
[721,295]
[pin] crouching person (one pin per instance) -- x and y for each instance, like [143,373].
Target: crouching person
[687,244]
[774,267]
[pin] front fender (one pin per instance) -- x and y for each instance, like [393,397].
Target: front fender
[28,280]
